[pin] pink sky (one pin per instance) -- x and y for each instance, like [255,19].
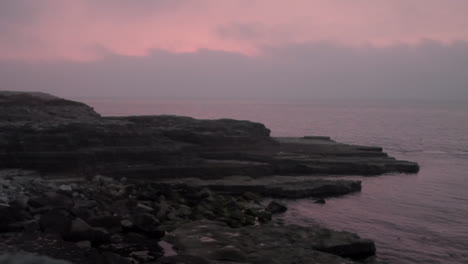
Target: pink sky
[84,30]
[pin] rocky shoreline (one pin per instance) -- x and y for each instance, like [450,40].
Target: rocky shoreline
[166,189]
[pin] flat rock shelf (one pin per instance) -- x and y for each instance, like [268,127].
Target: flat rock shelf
[84,188]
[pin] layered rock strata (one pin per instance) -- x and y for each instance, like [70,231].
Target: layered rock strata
[196,184]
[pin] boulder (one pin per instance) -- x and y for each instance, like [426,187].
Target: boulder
[264,217]
[65,188]
[56,221]
[83,244]
[79,230]
[8,217]
[147,224]
[343,244]
[109,222]
[127,225]
[51,199]
[275,207]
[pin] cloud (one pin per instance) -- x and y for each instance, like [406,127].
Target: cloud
[429,70]
[70,30]
[296,49]
[241,31]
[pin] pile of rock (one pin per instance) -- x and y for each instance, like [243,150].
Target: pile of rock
[105,215]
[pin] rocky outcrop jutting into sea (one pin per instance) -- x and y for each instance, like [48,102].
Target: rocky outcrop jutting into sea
[90,189]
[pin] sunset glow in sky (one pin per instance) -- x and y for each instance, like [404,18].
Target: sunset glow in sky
[301,49]
[83,30]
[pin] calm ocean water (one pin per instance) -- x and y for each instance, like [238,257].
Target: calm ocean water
[419,218]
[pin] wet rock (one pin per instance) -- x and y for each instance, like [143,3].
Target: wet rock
[344,244]
[275,207]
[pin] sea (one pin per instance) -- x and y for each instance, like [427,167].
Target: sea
[413,218]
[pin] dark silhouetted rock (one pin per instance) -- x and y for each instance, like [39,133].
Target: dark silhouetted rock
[51,134]
[148,225]
[109,222]
[270,243]
[25,258]
[79,230]
[106,189]
[276,208]
[55,221]
[112,258]
[274,186]
[320,201]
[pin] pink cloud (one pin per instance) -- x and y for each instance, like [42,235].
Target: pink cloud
[81,30]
